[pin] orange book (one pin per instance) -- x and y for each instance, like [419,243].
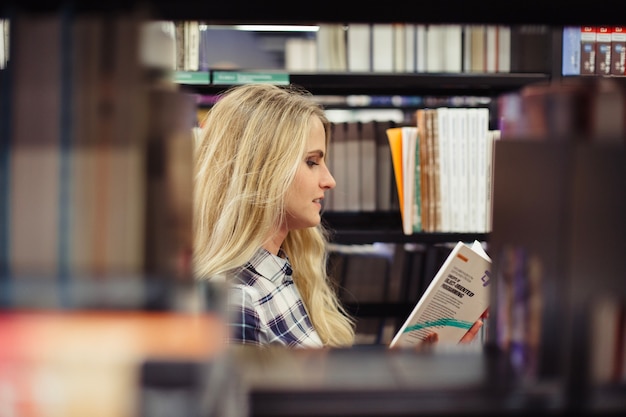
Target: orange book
[394,135]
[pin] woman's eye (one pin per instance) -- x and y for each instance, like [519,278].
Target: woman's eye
[311,162]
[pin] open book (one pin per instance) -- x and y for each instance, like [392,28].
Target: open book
[453,301]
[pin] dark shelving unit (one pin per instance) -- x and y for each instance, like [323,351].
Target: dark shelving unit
[442,84]
[369,227]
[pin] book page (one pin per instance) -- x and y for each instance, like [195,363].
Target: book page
[454,300]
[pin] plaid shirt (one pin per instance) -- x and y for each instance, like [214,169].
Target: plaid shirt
[265,306]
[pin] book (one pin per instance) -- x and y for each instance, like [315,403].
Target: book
[359,47]
[571,51]
[331,48]
[409,144]
[385,182]
[503,41]
[368,166]
[394,136]
[603,50]
[587,50]
[531,48]
[424,162]
[454,300]
[476,52]
[618,50]
[338,153]
[382,47]
[353,166]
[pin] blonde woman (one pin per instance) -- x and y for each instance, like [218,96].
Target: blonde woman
[260,181]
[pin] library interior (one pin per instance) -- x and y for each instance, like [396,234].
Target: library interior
[461,132]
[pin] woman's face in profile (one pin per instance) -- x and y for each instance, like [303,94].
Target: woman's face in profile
[304,197]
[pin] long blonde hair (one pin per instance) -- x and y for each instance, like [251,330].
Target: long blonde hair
[246,157]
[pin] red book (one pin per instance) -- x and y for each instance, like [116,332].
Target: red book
[603,50]
[618,50]
[587,50]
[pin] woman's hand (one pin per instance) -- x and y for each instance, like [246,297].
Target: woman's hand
[473,331]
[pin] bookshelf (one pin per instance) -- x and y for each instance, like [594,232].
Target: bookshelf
[567,388]
[399,84]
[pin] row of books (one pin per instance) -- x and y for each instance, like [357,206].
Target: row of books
[369,47]
[100,184]
[594,50]
[443,170]
[405,48]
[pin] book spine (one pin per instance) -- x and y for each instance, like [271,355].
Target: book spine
[603,50]
[571,51]
[618,50]
[587,50]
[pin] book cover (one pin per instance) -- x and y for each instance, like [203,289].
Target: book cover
[618,50]
[456,297]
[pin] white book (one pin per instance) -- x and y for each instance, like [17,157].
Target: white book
[331,48]
[435,45]
[359,46]
[455,174]
[382,47]
[420,48]
[409,142]
[409,47]
[463,178]
[475,179]
[444,168]
[483,156]
[492,136]
[399,50]
[192,45]
[504,49]
[300,55]
[452,48]
[491,48]
[455,299]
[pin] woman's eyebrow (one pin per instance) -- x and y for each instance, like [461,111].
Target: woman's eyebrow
[319,152]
